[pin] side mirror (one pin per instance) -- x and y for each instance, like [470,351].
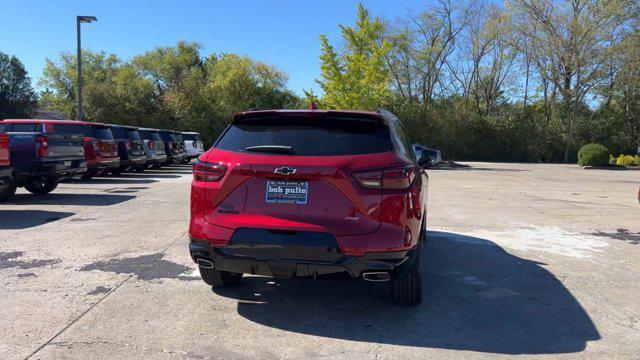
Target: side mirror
[424,160]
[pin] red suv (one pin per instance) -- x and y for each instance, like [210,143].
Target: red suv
[311,193]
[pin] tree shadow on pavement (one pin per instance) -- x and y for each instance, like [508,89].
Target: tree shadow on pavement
[23,219]
[476,297]
[70,199]
[102,181]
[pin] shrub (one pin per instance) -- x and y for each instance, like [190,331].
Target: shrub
[593,155]
[628,160]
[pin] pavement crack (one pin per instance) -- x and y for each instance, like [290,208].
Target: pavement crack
[79,317]
[50,341]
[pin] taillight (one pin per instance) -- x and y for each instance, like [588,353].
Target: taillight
[392,178]
[152,145]
[43,149]
[207,172]
[96,146]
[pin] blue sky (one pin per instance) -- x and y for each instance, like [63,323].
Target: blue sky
[283,33]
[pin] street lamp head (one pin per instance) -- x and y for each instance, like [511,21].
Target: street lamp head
[86,19]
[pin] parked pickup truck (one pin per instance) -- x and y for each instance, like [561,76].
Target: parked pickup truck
[41,157]
[7,185]
[130,149]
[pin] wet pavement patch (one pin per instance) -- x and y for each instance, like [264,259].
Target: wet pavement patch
[9,260]
[99,290]
[146,267]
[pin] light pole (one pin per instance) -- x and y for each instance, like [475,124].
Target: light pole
[79,20]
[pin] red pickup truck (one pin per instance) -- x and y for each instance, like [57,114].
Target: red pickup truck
[7,185]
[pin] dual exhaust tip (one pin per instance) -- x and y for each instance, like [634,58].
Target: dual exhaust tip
[204,263]
[376,276]
[368,276]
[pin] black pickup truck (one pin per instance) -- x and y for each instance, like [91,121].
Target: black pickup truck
[40,158]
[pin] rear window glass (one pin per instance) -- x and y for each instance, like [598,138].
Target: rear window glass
[118,132]
[309,137]
[70,129]
[23,127]
[125,133]
[102,133]
[132,134]
[190,137]
[150,135]
[167,136]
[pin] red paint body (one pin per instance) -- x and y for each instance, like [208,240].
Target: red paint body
[4,150]
[362,220]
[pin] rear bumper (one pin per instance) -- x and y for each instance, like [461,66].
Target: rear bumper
[105,164]
[6,172]
[305,254]
[58,168]
[135,161]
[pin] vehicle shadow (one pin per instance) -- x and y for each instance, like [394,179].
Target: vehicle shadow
[108,181]
[70,199]
[166,175]
[476,297]
[23,219]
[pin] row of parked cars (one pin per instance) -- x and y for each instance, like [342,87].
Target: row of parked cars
[37,154]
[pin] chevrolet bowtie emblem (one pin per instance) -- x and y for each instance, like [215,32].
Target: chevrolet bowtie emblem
[284,170]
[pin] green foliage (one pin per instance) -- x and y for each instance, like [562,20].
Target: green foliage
[168,87]
[356,78]
[17,98]
[628,160]
[593,155]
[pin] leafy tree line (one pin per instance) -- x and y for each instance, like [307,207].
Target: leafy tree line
[169,87]
[530,80]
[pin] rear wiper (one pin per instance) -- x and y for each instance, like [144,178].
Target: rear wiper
[278,149]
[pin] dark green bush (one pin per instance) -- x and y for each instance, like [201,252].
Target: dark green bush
[593,155]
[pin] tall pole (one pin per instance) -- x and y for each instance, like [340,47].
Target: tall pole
[79,70]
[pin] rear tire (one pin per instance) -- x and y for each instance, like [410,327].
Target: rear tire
[87,175]
[42,185]
[406,286]
[221,278]
[116,172]
[7,190]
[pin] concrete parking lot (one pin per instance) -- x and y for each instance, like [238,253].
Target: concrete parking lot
[539,260]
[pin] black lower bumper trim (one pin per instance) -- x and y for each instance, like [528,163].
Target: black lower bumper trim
[293,260]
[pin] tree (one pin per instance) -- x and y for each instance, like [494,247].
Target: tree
[356,78]
[17,98]
[576,38]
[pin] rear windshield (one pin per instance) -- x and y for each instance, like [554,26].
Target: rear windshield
[190,137]
[150,135]
[102,133]
[71,129]
[132,134]
[309,137]
[167,136]
[125,133]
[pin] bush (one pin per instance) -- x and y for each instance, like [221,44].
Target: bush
[593,155]
[628,160]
